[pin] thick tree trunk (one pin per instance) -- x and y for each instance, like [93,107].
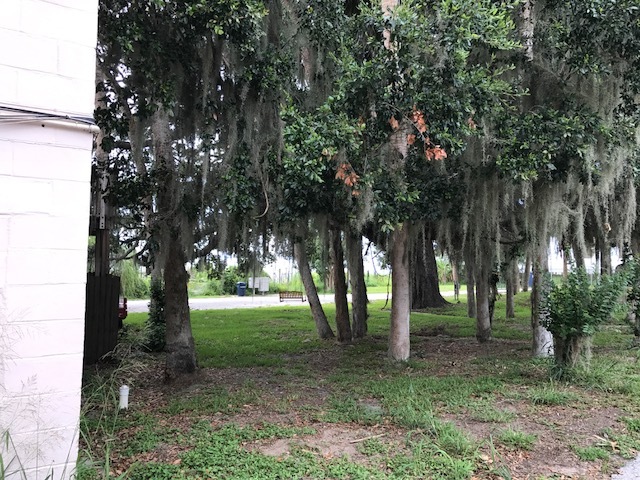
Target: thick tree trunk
[340,288]
[527,273]
[358,286]
[542,343]
[319,317]
[483,319]
[425,288]
[470,267]
[399,334]
[180,347]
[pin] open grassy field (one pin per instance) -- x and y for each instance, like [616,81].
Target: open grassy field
[271,401]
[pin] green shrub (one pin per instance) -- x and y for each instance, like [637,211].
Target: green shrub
[575,309]
[156,323]
[230,277]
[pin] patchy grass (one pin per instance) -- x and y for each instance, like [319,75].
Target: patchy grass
[516,439]
[272,401]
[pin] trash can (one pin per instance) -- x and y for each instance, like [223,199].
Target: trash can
[242,288]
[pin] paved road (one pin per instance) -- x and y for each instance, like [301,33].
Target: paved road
[631,471]
[224,303]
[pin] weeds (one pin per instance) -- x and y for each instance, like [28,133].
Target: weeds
[517,439]
[591,454]
[550,394]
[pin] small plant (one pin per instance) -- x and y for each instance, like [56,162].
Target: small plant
[575,310]
[590,454]
[156,324]
[374,446]
[550,395]
[517,439]
[626,445]
[633,424]
[484,411]
[347,409]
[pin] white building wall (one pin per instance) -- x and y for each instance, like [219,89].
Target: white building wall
[47,63]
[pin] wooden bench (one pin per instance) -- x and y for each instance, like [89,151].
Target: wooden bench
[291,295]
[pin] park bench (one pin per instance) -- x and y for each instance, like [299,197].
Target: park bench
[291,295]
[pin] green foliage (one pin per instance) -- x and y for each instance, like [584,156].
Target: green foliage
[132,284]
[427,77]
[633,291]
[230,277]
[596,37]
[155,324]
[591,454]
[576,308]
[544,142]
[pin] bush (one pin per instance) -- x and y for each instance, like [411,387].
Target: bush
[230,277]
[575,309]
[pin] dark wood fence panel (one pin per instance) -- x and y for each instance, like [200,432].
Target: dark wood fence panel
[101,316]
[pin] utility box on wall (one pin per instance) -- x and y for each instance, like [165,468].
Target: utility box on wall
[47,84]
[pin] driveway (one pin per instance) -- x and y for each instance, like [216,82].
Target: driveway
[248,301]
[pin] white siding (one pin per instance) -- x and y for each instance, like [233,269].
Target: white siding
[47,62]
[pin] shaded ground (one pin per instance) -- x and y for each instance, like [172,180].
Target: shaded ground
[564,423]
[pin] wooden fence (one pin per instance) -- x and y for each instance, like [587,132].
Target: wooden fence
[101,316]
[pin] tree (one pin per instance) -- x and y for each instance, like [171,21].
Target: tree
[319,317]
[413,78]
[162,63]
[425,292]
[569,142]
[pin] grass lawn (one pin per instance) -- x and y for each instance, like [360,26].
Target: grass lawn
[271,401]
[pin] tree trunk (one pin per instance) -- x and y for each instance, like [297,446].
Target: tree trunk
[542,344]
[578,255]
[399,334]
[527,273]
[455,273]
[340,288]
[512,281]
[515,275]
[572,350]
[483,319]
[180,347]
[605,256]
[469,263]
[319,317]
[358,286]
[425,288]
